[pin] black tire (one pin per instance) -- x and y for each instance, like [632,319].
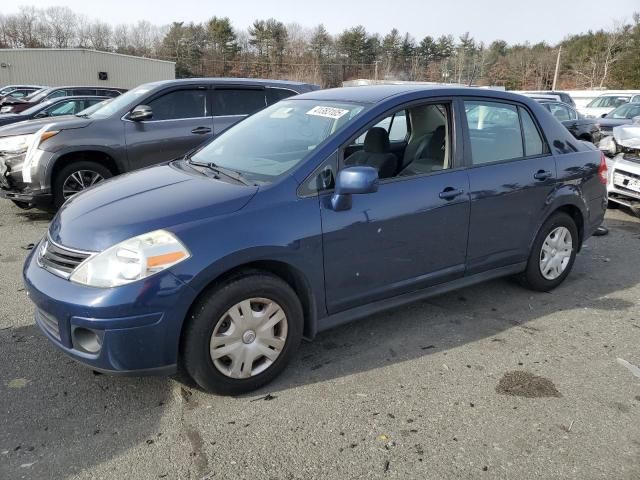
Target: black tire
[532,277]
[22,205]
[62,175]
[195,354]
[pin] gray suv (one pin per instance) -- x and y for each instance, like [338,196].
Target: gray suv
[43,162]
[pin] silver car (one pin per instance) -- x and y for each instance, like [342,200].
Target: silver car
[623,162]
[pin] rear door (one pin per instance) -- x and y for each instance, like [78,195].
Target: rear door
[511,175]
[233,103]
[181,121]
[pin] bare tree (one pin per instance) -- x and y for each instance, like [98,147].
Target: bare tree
[61,22]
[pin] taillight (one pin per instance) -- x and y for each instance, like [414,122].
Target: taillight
[602,169]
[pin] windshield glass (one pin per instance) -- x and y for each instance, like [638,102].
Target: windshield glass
[273,141]
[93,108]
[119,102]
[625,111]
[36,108]
[39,95]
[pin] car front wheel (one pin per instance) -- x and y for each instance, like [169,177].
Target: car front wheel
[76,177]
[553,253]
[242,334]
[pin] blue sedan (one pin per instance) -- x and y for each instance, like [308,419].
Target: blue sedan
[318,210]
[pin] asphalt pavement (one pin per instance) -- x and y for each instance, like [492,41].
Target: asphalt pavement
[492,381]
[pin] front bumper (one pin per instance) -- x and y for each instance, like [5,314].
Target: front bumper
[138,325]
[36,192]
[623,185]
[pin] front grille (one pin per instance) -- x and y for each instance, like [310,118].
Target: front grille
[60,260]
[49,323]
[621,180]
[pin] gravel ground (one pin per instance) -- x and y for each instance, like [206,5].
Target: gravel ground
[491,381]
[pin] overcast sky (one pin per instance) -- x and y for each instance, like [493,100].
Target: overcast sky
[510,20]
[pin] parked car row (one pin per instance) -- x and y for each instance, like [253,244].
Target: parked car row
[45,161]
[13,104]
[317,209]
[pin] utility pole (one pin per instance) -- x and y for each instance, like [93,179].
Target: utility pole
[555,75]
[376,71]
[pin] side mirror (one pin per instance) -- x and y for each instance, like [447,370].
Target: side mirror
[604,115]
[140,113]
[41,115]
[636,120]
[353,181]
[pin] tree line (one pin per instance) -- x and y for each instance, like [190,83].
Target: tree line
[607,58]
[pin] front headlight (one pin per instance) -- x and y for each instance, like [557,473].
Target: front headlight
[16,143]
[131,260]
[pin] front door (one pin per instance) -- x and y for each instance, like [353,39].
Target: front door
[411,233]
[181,121]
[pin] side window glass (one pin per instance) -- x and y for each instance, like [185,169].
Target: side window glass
[494,131]
[395,125]
[274,95]
[241,101]
[65,108]
[322,179]
[573,115]
[561,113]
[56,94]
[427,150]
[83,91]
[533,144]
[180,104]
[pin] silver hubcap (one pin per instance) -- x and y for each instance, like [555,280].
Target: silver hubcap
[248,338]
[78,181]
[556,253]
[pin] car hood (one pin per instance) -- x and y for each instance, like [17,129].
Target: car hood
[613,122]
[627,136]
[27,127]
[166,196]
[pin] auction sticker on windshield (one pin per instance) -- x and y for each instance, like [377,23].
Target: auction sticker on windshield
[328,112]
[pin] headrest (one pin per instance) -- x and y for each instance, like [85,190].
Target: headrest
[376,140]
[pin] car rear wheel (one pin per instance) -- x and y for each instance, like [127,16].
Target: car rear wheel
[242,334]
[553,253]
[75,178]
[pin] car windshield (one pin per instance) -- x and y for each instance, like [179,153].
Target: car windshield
[93,108]
[36,108]
[273,141]
[119,102]
[626,111]
[39,95]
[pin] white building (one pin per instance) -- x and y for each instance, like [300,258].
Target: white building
[76,66]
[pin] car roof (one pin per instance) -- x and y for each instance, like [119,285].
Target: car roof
[229,81]
[378,93]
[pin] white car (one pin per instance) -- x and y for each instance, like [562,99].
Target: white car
[600,106]
[623,150]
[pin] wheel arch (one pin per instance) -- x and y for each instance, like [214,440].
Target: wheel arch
[92,154]
[284,271]
[572,208]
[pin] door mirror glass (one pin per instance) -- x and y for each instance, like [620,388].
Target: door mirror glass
[140,113]
[353,181]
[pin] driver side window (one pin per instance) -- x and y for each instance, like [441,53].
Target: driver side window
[410,141]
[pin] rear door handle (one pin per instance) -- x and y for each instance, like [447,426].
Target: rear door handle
[542,175]
[201,130]
[450,193]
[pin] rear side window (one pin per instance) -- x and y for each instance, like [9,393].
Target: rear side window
[179,104]
[56,94]
[533,144]
[500,131]
[274,95]
[83,91]
[240,101]
[108,93]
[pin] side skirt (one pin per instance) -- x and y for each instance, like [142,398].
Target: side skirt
[356,313]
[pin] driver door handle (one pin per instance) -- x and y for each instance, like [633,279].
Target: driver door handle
[542,175]
[450,193]
[201,130]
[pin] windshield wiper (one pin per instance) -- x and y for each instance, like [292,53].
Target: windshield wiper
[227,172]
